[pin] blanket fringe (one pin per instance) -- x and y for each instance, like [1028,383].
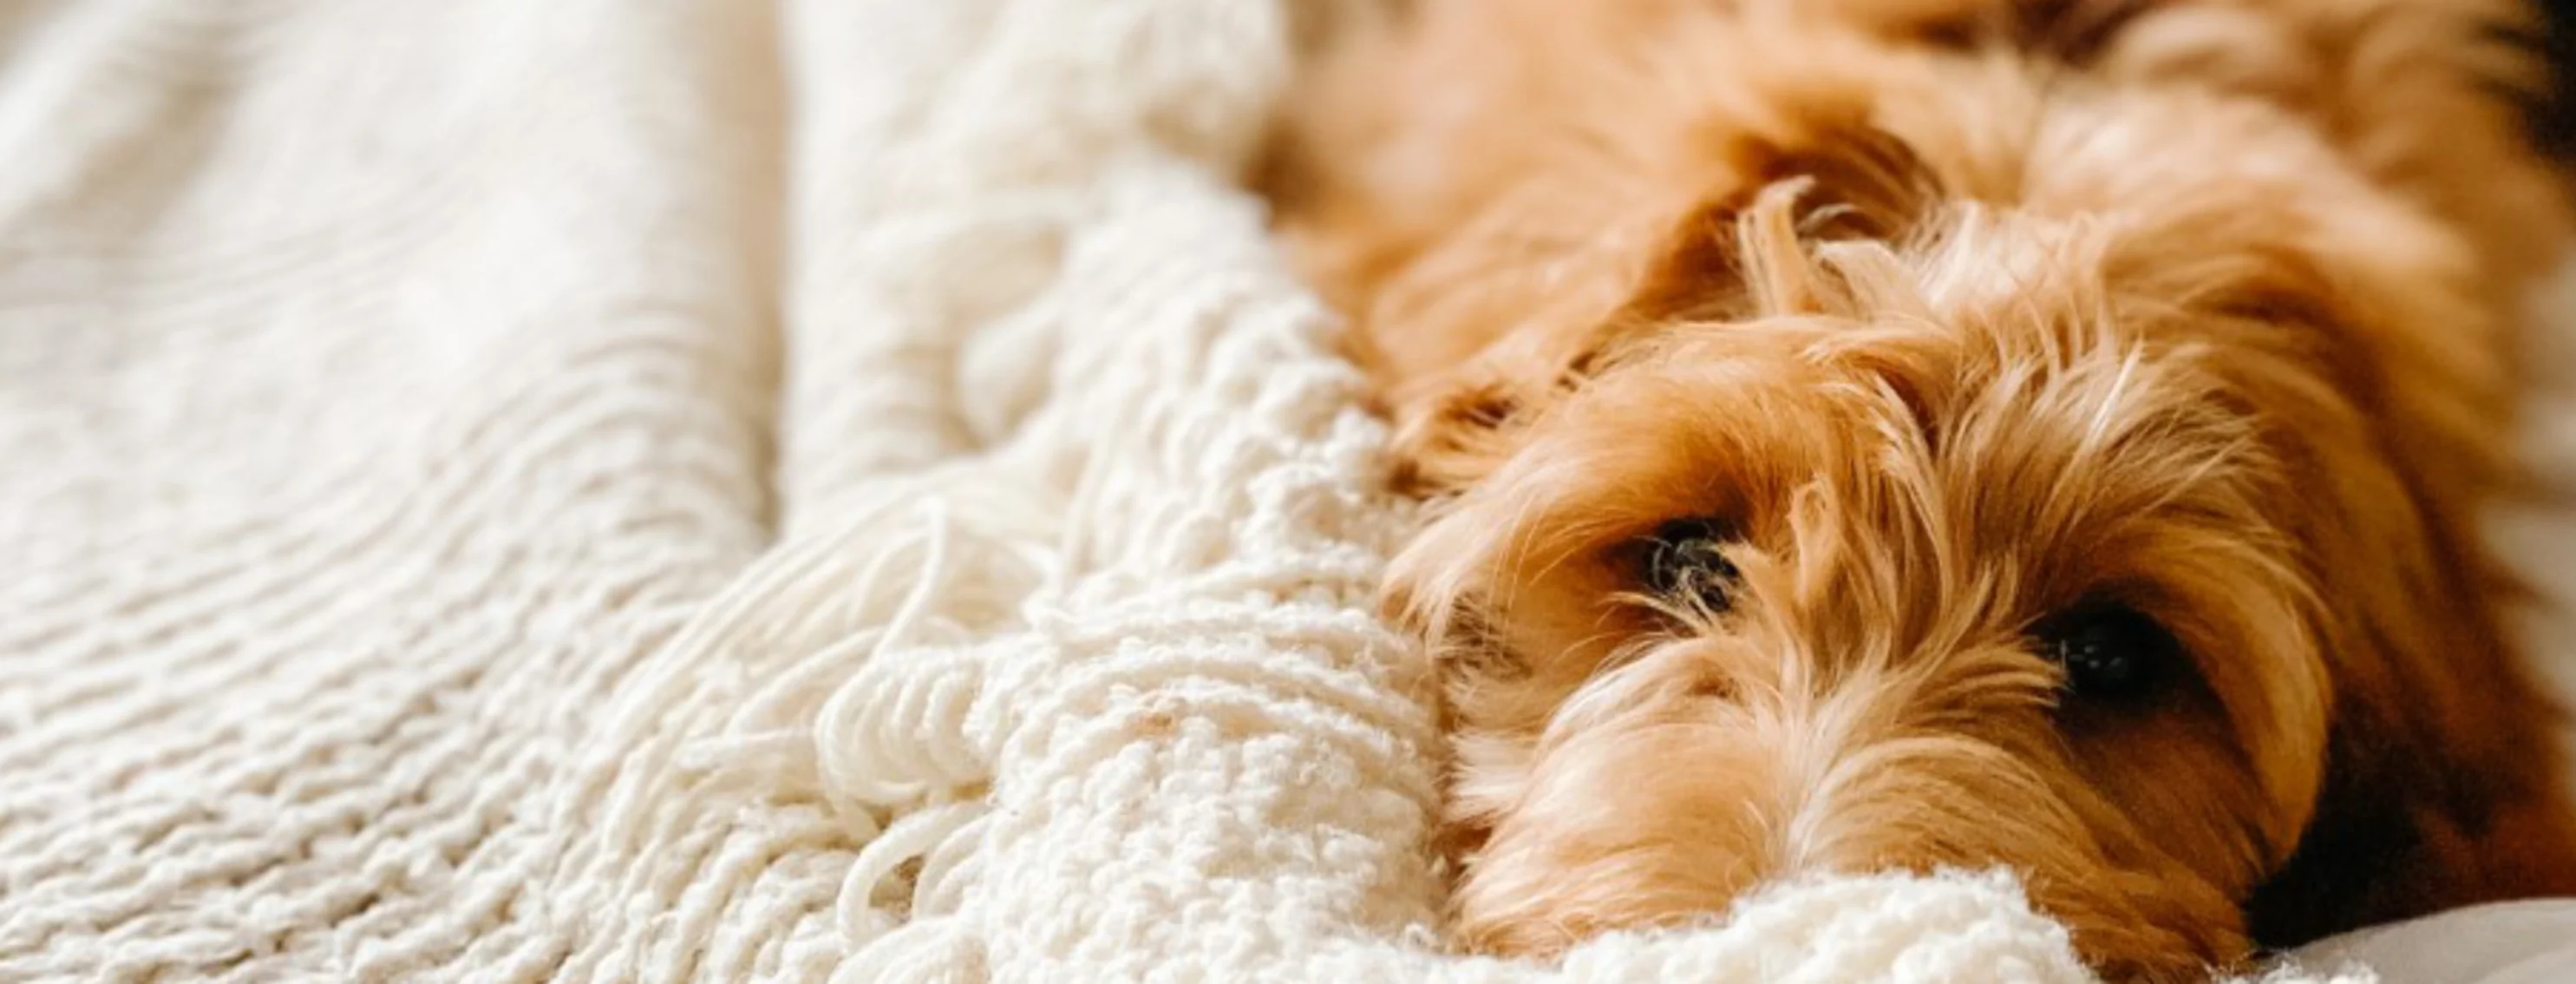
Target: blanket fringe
[840,672]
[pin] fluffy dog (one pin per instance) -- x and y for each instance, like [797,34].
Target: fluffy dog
[1907,434]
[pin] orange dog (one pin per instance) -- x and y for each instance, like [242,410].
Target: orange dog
[1919,433]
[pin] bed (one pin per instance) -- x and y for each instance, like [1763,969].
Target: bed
[841,489]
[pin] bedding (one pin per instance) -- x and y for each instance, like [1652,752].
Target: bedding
[840,489]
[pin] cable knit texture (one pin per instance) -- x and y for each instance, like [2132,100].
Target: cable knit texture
[597,491]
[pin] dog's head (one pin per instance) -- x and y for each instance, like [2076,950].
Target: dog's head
[2079,516]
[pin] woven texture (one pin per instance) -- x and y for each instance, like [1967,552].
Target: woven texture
[593,490]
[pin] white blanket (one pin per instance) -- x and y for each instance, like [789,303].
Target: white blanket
[600,490]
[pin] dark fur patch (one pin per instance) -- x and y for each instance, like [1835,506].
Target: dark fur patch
[2553,110]
[2071,31]
[2549,111]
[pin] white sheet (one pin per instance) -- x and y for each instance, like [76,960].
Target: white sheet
[590,490]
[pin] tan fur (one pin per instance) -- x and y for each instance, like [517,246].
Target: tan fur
[1961,313]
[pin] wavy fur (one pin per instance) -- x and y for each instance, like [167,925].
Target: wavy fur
[1961,314]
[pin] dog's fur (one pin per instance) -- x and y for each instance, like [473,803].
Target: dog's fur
[1955,316]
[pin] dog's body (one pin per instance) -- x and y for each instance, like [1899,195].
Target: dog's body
[1917,433]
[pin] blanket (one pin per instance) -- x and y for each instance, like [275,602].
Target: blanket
[816,490]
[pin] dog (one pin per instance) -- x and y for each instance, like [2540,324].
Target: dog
[1926,434]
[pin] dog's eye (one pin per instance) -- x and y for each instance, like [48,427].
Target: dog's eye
[2108,651]
[1685,559]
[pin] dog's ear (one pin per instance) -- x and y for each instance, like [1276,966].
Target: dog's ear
[1746,251]
[2442,782]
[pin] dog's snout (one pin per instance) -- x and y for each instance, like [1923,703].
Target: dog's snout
[1618,837]
[1652,813]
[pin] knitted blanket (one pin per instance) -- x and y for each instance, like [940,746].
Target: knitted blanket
[595,490]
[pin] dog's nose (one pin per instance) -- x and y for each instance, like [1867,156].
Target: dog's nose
[1666,823]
